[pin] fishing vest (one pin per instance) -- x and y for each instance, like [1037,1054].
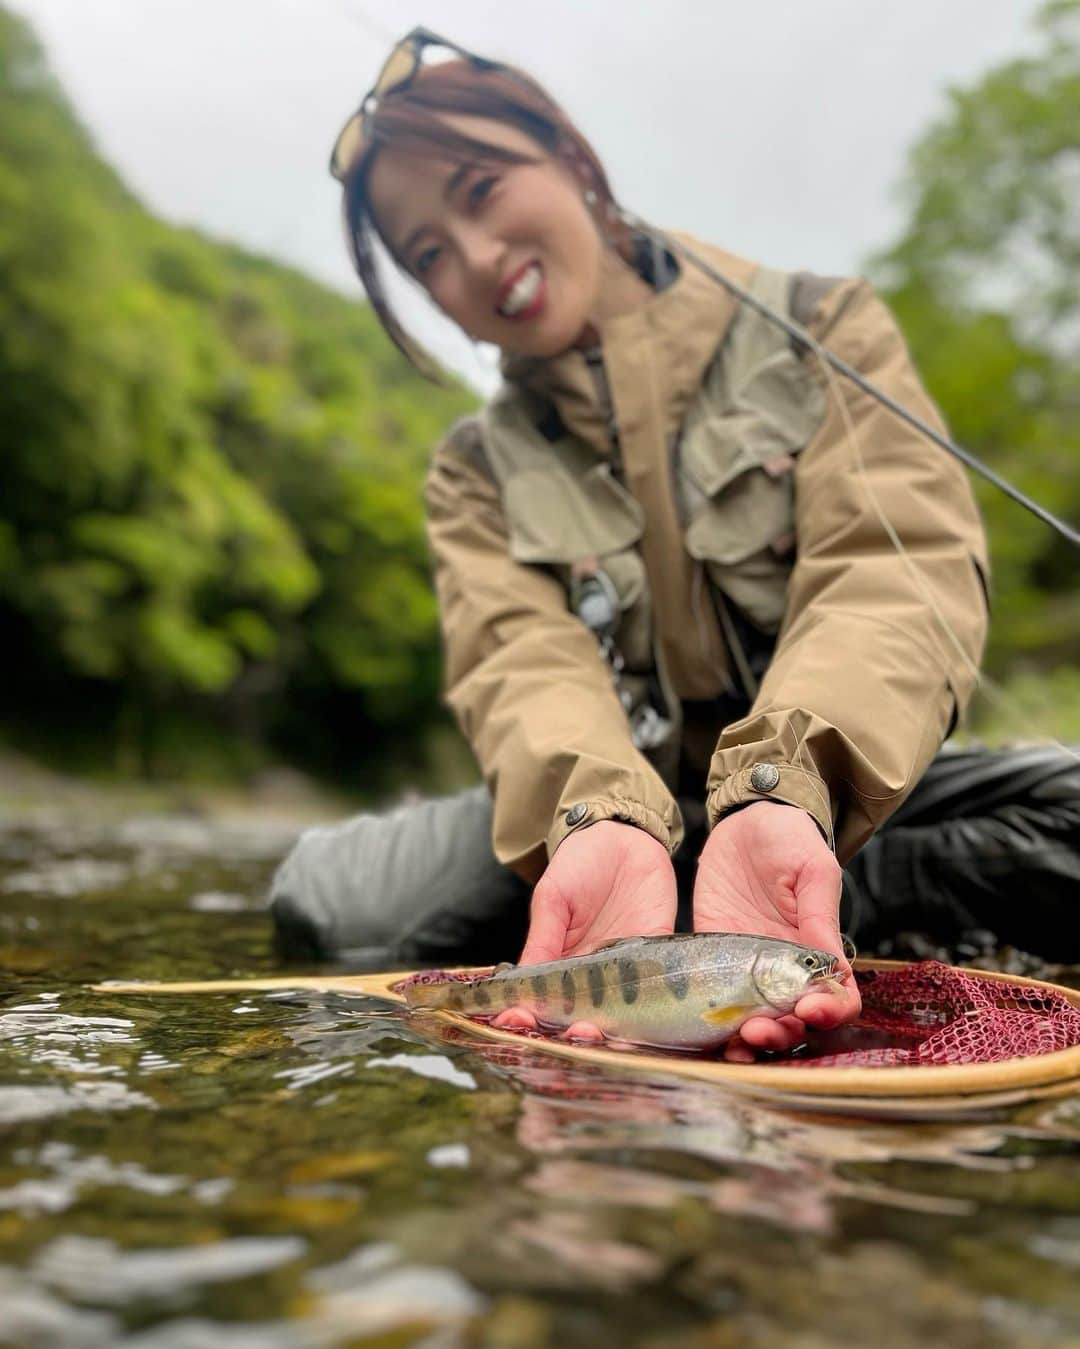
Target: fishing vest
[733,459]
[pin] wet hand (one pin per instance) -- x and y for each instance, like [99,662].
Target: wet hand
[608,881]
[766,869]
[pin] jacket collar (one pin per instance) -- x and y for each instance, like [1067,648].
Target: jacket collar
[676,333]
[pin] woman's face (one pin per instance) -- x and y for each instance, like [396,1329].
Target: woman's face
[510,252]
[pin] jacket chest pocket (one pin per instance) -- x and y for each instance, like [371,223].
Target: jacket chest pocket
[743,531]
[582,523]
[555,516]
[736,481]
[576,523]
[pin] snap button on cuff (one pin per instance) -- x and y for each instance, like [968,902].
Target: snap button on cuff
[577,813]
[764,777]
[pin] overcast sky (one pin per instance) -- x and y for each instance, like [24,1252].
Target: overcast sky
[777,128]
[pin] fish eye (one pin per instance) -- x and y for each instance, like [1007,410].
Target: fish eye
[809,962]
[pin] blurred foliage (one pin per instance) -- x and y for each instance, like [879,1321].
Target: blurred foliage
[1038,703]
[210,523]
[984,281]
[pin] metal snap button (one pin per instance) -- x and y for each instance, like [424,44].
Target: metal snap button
[577,813]
[764,777]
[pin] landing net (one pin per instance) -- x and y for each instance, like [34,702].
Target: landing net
[932,1013]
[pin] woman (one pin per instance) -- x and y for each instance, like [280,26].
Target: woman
[669,596]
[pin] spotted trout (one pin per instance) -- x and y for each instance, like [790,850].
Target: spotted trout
[687,991]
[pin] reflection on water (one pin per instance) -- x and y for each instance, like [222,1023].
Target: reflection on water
[291,1170]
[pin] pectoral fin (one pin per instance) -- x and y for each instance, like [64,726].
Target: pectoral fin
[727,1016]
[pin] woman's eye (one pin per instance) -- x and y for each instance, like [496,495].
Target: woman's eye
[480,190]
[426,260]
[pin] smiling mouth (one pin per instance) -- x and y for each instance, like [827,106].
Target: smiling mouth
[525,295]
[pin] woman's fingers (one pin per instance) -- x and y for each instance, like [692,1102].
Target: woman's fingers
[582,1030]
[827,1009]
[817,894]
[548,922]
[773,1033]
[515,1018]
[823,1011]
[520,1018]
[819,926]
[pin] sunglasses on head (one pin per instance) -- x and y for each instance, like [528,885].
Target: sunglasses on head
[399,71]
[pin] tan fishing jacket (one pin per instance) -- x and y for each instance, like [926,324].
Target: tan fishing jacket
[703,467]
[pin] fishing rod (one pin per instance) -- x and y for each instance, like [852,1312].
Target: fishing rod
[799,334]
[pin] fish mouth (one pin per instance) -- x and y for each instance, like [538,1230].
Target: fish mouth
[825,968]
[825,978]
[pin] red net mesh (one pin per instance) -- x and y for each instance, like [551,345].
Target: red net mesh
[931,1013]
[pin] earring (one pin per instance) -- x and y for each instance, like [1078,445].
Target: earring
[590,198]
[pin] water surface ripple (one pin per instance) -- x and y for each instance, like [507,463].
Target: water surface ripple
[292,1170]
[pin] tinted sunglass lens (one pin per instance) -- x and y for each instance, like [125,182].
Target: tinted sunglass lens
[399,69]
[401,65]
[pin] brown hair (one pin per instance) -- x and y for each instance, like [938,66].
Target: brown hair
[412,118]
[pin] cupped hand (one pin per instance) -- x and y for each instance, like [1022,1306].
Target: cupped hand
[767,869]
[607,881]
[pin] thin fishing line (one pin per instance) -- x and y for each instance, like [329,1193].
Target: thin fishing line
[830,363]
[374,27]
[796,330]
[995,692]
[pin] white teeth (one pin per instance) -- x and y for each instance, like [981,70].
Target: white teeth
[522,293]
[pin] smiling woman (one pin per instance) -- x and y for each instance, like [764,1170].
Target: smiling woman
[482,189]
[695,671]
[507,249]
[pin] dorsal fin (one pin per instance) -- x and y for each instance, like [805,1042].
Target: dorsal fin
[666,937]
[619,941]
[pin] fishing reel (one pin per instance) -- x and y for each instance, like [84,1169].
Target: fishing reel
[595,600]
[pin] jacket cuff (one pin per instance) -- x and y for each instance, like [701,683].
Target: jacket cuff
[787,783]
[666,829]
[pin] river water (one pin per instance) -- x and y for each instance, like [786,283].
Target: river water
[295,1171]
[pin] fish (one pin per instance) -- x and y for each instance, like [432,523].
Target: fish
[689,991]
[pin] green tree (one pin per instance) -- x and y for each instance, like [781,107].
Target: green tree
[984,282]
[210,476]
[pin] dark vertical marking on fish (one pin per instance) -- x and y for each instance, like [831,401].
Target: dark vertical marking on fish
[539,987]
[455,999]
[628,973]
[581,984]
[482,996]
[596,985]
[678,981]
[569,992]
